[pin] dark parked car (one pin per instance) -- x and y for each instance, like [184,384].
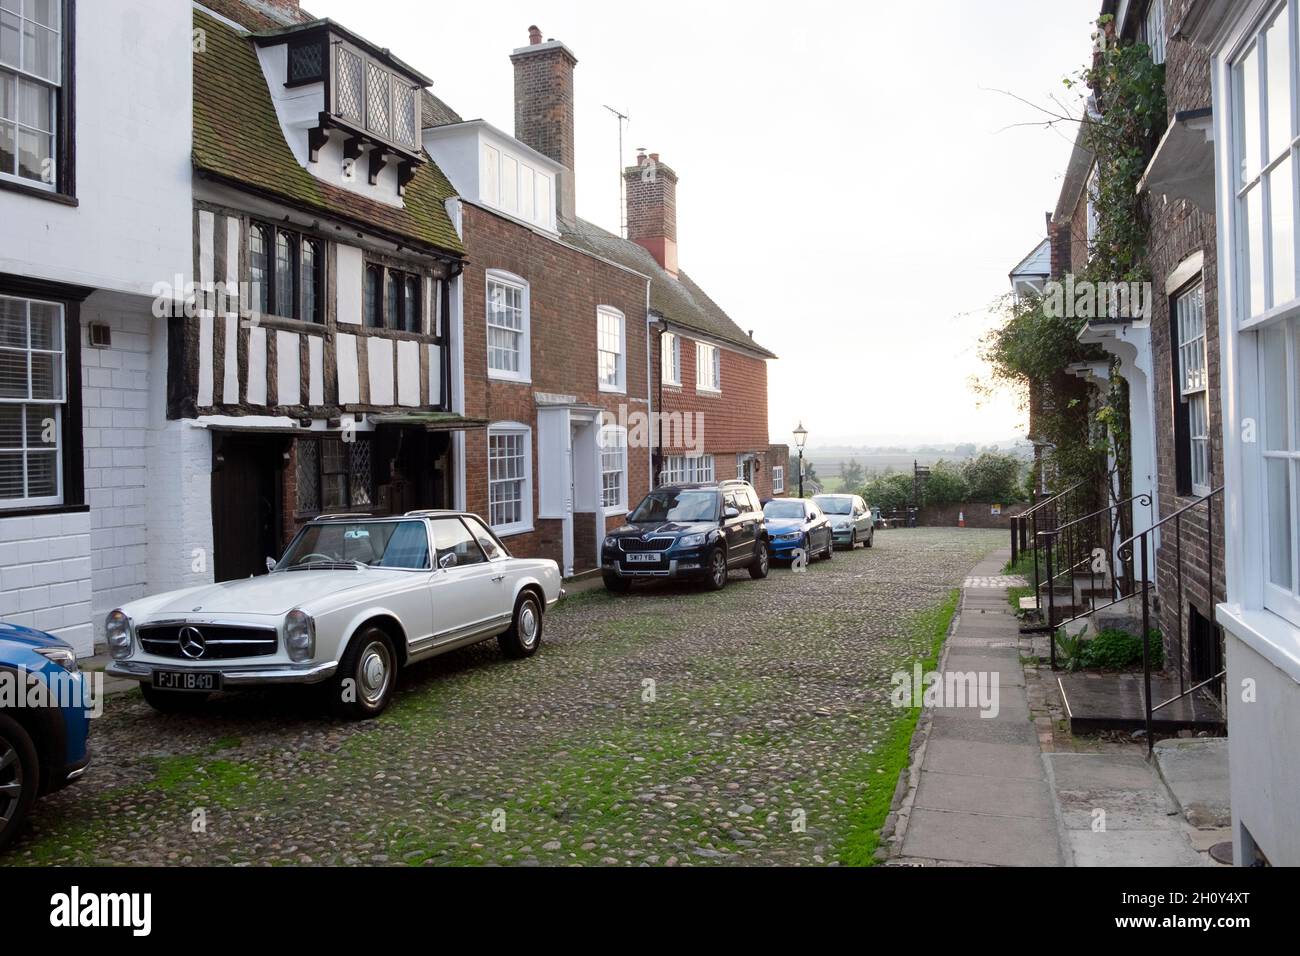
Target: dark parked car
[42,747]
[798,524]
[695,532]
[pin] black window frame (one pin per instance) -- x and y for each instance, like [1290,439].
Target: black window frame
[71,435]
[65,121]
[349,477]
[389,311]
[271,279]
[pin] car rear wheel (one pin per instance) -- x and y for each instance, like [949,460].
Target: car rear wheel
[19,778]
[830,547]
[853,539]
[616,584]
[173,701]
[762,562]
[366,676]
[871,538]
[525,634]
[717,579]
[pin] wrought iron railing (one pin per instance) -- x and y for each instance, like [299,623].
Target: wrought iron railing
[1084,555]
[1144,543]
[1047,514]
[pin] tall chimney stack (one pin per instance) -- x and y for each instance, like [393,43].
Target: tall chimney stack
[652,208]
[544,108]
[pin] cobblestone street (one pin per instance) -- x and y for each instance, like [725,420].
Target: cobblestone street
[667,727]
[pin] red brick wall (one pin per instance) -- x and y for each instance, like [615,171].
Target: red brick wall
[733,422]
[565,289]
[1178,230]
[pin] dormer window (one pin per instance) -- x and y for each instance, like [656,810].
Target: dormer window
[370,97]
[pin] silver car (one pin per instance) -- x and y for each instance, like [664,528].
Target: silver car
[850,518]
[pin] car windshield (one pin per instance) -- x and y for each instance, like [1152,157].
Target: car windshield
[375,544]
[783,509]
[835,506]
[668,505]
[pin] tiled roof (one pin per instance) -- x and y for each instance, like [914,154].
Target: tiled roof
[679,301]
[434,112]
[237,137]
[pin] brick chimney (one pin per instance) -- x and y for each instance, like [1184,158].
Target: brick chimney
[544,107]
[652,208]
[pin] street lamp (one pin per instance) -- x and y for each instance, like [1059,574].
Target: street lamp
[800,439]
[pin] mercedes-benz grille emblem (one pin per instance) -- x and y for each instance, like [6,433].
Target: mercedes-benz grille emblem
[192,643]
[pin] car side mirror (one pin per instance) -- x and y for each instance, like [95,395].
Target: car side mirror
[447,560]
[271,563]
[731,513]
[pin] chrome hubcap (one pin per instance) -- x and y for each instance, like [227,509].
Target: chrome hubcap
[528,624]
[762,558]
[719,568]
[375,672]
[11,781]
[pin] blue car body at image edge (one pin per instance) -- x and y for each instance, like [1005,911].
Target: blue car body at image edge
[44,748]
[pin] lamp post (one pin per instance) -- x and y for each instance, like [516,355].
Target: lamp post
[800,439]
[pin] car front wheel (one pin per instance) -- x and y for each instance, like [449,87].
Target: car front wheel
[762,562]
[366,676]
[616,584]
[871,538]
[19,778]
[717,579]
[830,546]
[525,634]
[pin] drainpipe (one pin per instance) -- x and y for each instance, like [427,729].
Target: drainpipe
[649,393]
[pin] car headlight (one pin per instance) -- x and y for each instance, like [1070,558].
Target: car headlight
[65,657]
[611,542]
[117,630]
[299,635]
[691,540]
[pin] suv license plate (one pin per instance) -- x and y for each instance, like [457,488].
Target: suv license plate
[642,557]
[204,681]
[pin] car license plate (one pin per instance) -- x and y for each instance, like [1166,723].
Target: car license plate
[646,557]
[206,681]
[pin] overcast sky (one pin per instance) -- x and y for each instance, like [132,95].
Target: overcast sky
[849,189]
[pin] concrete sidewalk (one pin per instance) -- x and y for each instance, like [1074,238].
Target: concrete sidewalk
[981,790]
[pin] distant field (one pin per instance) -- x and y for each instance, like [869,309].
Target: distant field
[828,466]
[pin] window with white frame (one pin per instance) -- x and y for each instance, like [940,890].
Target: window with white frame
[1193,391]
[670,358]
[31,85]
[1153,30]
[1262,172]
[778,479]
[611,340]
[684,469]
[1094,193]
[507,327]
[1279,376]
[613,468]
[708,367]
[510,494]
[32,395]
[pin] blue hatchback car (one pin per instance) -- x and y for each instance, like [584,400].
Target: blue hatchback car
[798,524]
[44,721]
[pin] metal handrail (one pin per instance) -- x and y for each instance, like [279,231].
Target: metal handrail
[1047,501]
[1144,498]
[1145,540]
[1177,514]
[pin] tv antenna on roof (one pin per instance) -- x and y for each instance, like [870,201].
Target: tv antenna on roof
[622,207]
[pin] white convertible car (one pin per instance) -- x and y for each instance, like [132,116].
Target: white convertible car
[354,599]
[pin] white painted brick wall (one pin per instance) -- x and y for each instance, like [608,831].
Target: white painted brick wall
[45,575]
[115,402]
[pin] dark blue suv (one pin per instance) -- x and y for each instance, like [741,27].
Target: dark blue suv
[44,721]
[695,532]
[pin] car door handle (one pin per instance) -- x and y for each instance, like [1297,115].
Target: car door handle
[498,577]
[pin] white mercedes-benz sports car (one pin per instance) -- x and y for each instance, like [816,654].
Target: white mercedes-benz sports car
[354,599]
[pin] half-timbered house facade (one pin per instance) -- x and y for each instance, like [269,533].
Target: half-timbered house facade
[316,349]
